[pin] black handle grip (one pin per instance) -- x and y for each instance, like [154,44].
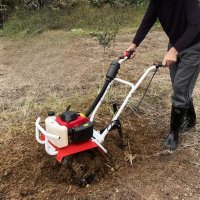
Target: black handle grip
[113,70]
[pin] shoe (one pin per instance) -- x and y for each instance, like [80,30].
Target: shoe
[189,120]
[177,116]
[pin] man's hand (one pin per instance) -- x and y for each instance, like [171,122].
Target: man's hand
[170,57]
[132,49]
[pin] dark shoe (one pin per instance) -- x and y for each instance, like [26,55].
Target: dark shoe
[177,116]
[189,119]
[171,142]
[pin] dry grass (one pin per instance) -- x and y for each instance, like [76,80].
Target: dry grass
[52,71]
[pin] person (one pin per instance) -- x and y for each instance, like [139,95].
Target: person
[180,19]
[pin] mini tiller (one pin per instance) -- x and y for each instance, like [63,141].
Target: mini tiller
[71,133]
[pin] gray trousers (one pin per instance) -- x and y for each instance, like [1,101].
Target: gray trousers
[184,74]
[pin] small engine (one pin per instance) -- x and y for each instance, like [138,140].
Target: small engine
[71,127]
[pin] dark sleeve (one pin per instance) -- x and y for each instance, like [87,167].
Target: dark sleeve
[193,28]
[149,19]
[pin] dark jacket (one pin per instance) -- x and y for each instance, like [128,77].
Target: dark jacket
[180,20]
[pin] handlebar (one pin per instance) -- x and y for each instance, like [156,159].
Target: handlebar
[110,76]
[127,55]
[158,65]
[115,65]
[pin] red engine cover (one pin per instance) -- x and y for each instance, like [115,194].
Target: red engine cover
[77,122]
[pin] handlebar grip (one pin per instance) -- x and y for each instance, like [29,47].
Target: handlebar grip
[127,54]
[158,65]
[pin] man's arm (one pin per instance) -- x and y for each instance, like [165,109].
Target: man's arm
[149,19]
[147,22]
[193,28]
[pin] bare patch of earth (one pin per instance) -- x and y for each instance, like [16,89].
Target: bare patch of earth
[53,64]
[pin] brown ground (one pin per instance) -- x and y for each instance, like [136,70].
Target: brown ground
[54,70]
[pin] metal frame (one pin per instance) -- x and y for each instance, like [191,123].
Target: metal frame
[101,137]
[48,147]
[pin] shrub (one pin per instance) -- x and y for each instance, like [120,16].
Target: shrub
[84,16]
[107,37]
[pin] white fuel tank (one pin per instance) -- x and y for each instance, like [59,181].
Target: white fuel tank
[54,128]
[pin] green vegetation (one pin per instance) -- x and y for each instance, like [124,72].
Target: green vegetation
[84,16]
[118,3]
[107,37]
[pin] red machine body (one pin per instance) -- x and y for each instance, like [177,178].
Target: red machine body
[77,122]
[74,147]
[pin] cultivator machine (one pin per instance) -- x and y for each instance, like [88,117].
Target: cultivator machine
[70,133]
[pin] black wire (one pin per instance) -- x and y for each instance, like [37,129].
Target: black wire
[137,107]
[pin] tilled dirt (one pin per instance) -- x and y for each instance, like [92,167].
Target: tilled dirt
[52,65]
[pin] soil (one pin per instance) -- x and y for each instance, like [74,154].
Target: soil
[54,65]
